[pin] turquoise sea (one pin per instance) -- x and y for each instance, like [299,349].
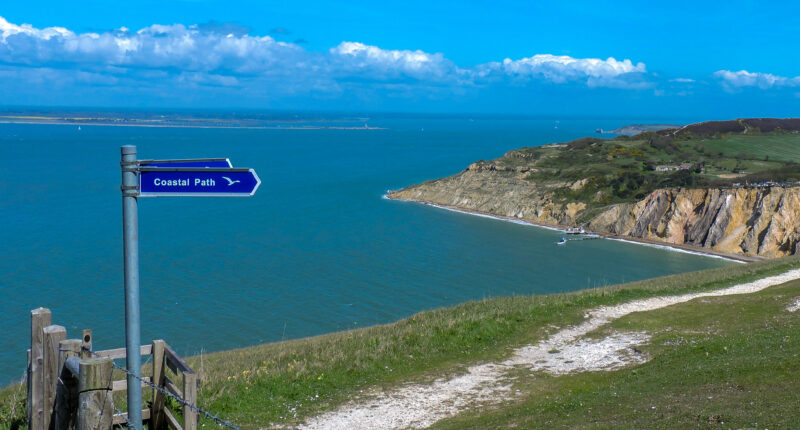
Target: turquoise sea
[316,250]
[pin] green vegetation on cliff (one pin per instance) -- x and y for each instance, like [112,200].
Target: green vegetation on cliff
[599,171]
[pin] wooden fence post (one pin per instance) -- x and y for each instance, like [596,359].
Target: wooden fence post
[86,345]
[40,318]
[66,407]
[190,395]
[51,336]
[157,418]
[95,403]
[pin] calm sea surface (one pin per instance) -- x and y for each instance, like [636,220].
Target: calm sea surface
[316,250]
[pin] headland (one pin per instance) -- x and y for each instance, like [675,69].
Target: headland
[728,188]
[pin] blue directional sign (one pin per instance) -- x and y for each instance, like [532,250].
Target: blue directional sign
[197,182]
[191,162]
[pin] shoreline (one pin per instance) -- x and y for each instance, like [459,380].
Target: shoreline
[234,127]
[687,249]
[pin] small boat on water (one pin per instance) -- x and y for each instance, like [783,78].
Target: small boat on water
[563,241]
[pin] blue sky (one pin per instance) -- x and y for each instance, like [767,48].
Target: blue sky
[560,58]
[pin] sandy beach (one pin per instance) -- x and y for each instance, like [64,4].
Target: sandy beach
[691,249]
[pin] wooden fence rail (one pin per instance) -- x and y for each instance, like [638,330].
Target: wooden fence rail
[71,387]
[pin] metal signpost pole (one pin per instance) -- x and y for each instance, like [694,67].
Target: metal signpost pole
[130,241]
[201,177]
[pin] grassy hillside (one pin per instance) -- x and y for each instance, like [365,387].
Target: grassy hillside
[725,362]
[626,169]
[776,147]
[285,382]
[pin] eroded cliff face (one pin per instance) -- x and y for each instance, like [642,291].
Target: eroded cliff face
[489,188]
[747,221]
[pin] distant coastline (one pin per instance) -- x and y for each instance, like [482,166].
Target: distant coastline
[206,123]
[242,127]
[634,129]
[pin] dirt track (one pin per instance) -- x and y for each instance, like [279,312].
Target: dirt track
[567,351]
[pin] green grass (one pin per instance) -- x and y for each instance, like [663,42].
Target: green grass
[622,170]
[12,407]
[285,382]
[784,147]
[725,362]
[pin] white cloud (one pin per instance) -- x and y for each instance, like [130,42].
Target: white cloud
[682,80]
[559,69]
[226,56]
[9,29]
[743,78]
[157,46]
[383,63]
[358,58]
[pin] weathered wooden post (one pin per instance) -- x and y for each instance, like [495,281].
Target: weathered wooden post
[86,345]
[95,403]
[51,336]
[40,318]
[190,395]
[157,417]
[65,416]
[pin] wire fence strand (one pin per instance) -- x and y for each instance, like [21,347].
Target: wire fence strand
[181,401]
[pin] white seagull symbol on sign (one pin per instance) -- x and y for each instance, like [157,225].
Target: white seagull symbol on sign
[230,182]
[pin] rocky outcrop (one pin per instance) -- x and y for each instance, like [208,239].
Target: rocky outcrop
[761,221]
[495,189]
